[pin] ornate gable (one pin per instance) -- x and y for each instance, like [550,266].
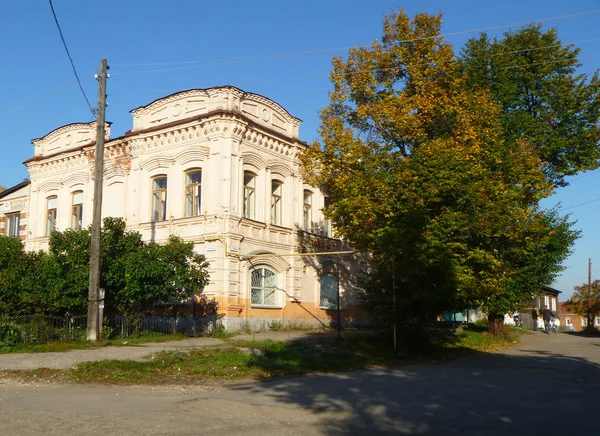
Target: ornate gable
[172,108]
[69,137]
[197,102]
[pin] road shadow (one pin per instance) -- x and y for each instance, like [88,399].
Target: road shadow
[533,392]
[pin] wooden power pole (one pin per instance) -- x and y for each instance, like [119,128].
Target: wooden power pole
[589,293]
[94,322]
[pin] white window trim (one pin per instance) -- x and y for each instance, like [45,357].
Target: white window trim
[278,298]
[17,217]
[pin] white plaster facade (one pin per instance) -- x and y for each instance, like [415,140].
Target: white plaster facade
[226,137]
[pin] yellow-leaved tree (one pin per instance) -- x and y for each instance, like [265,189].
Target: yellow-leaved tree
[418,174]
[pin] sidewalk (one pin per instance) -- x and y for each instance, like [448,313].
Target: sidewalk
[139,352]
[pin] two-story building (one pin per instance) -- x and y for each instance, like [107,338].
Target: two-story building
[218,167]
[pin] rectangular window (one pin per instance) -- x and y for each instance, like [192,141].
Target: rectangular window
[597,321]
[546,302]
[52,204]
[249,195]
[13,225]
[307,211]
[77,211]
[583,322]
[159,199]
[193,191]
[329,292]
[553,302]
[276,188]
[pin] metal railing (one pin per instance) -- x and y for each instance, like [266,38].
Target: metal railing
[126,326]
[40,329]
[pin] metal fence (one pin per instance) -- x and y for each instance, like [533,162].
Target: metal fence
[39,329]
[126,326]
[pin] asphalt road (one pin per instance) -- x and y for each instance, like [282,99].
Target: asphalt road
[547,385]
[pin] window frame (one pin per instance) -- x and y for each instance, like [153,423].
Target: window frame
[76,211]
[249,195]
[583,321]
[190,191]
[332,305]
[307,210]
[155,215]
[277,304]
[327,225]
[276,202]
[51,214]
[10,217]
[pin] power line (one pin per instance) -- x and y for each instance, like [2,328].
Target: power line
[328,50]
[39,121]
[580,204]
[70,58]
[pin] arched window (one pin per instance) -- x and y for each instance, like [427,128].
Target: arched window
[51,208]
[193,193]
[262,287]
[276,191]
[77,210]
[329,292]
[249,195]
[307,211]
[159,198]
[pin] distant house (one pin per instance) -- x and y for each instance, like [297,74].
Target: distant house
[547,297]
[13,210]
[571,321]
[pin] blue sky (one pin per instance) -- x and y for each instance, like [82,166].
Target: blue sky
[278,49]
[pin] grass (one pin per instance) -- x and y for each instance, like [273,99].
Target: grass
[60,346]
[262,359]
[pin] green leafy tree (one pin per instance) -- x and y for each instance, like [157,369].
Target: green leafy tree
[533,76]
[134,274]
[585,301]
[415,163]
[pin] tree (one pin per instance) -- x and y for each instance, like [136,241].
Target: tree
[585,301]
[419,175]
[533,76]
[134,274]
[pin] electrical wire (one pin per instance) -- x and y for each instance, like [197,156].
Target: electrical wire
[580,204]
[70,58]
[329,50]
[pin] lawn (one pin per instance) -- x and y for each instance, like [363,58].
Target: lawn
[263,359]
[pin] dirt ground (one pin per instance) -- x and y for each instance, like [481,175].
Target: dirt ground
[545,385]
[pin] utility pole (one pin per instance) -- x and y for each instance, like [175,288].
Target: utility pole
[589,293]
[94,322]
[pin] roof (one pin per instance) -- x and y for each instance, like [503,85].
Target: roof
[550,290]
[12,189]
[564,309]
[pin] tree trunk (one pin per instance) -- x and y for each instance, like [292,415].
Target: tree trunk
[496,324]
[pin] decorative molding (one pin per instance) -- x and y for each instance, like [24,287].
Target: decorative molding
[281,169]
[75,179]
[254,160]
[275,262]
[156,163]
[199,154]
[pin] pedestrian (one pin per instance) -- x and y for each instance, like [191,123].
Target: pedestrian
[548,317]
[535,315]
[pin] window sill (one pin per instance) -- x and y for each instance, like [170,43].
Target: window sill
[264,306]
[328,308]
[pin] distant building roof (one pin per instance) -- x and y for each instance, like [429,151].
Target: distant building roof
[551,291]
[12,189]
